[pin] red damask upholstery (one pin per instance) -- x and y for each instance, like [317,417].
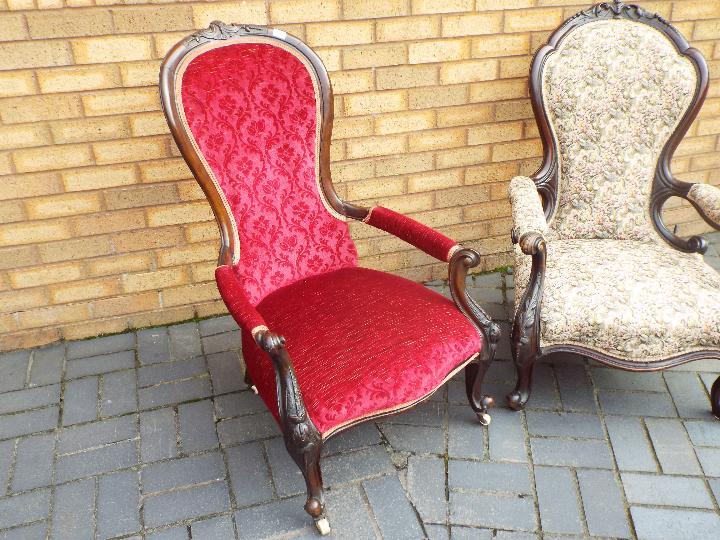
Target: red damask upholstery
[413,232]
[252,110]
[361,341]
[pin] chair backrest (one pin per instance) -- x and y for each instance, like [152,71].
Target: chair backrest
[614,91]
[251,111]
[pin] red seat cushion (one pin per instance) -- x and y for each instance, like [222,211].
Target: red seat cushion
[362,342]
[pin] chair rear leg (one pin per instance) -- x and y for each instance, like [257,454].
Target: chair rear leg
[525,354]
[474,375]
[715,398]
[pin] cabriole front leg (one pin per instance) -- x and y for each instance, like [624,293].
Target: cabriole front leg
[302,439]
[526,325]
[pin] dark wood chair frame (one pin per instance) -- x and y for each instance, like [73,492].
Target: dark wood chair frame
[526,347]
[302,439]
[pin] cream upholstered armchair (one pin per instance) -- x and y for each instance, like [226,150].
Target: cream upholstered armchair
[597,271]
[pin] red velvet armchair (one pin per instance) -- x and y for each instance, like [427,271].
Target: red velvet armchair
[327,344]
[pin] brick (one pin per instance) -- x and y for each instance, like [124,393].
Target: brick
[339,33]
[516,150]
[142,73]
[23,136]
[78,78]
[47,365]
[175,392]
[576,391]
[672,523]
[14,28]
[158,437]
[117,504]
[377,102]
[30,398]
[463,115]
[143,19]
[427,98]
[186,504]
[359,57]
[111,49]
[501,90]
[403,122]
[440,6]
[703,433]
[52,158]
[225,368]
[471,24]
[672,447]
[395,515]
[666,491]
[99,177]
[301,11]
[17,83]
[549,424]
[468,71]
[184,472]
[640,403]
[438,51]
[129,150]
[558,503]
[603,504]
[425,479]
[45,275]
[56,24]
[345,128]
[418,439]
[435,181]
[120,455]
[190,293]
[571,453]
[257,520]
[34,54]
[62,205]
[86,130]
[217,528]
[197,426]
[706,29]
[537,19]
[630,444]
[391,78]
[33,462]
[126,100]
[37,108]
[407,28]
[80,401]
[475,475]
[247,429]
[286,475]
[24,508]
[73,506]
[238,404]
[147,238]
[686,390]
[148,124]
[500,45]
[28,422]
[376,146]
[248,12]
[499,511]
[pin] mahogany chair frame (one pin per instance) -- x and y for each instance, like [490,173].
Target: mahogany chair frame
[302,439]
[526,347]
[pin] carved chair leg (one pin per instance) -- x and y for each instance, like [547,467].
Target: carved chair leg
[524,363]
[308,459]
[715,398]
[474,375]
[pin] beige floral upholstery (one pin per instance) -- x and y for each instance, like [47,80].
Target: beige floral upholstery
[707,197]
[632,300]
[528,215]
[614,91]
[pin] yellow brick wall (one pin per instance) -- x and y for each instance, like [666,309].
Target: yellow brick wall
[102,227]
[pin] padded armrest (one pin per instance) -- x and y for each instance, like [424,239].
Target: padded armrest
[527,210]
[707,197]
[237,303]
[413,232]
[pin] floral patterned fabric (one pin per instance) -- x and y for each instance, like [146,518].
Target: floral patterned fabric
[252,110]
[630,299]
[707,197]
[614,92]
[527,210]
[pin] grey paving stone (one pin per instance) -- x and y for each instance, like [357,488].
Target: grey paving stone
[80,401]
[666,490]
[349,514]
[649,404]
[710,460]
[709,379]
[197,426]
[119,393]
[394,513]
[101,345]
[158,439]
[469,533]
[544,390]
[15,425]
[507,477]
[118,505]
[507,438]
[184,341]
[95,365]
[36,531]
[24,508]
[226,372]
[436,532]
[249,474]
[358,436]
[33,462]
[171,371]
[498,371]
[603,504]
[153,345]
[558,500]
[689,395]
[671,524]
[551,424]
[217,325]
[497,511]
[175,392]
[426,487]
[286,475]
[247,428]
[672,447]
[30,398]
[73,506]
[418,439]
[170,533]
[47,365]
[428,414]
[703,433]
[281,517]
[6,459]
[219,528]
[185,504]
[363,463]
[630,444]
[616,379]
[13,370]
[715,487]
[576,392]
[238,404]
[105,459]
[226,341]
[466,437]
[183,472]
[77,438]
[590,454]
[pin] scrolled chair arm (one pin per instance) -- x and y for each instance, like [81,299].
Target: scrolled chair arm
[706,199]
[527,210]
[413,232]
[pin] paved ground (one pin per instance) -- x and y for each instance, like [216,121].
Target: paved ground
[153,435]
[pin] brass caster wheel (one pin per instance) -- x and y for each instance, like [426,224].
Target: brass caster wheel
[254,389]
[484,419]
[323,526]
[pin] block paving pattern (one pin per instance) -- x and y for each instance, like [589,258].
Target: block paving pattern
[154,435]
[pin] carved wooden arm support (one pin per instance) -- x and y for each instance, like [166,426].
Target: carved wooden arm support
[460,263]
[706,200]
[526,326]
